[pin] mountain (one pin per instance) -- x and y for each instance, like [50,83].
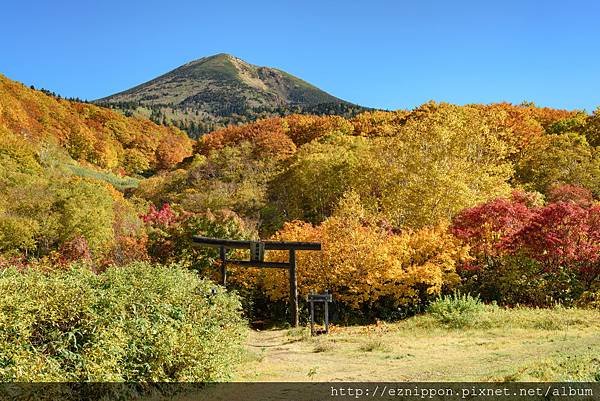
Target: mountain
[222,89]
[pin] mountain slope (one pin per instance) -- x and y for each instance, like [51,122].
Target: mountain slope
[222,89]
[87,133]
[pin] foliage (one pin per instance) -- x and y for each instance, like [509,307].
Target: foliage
[443,159]
[139,323]
[303,129]
[484,226]
[268,137]
[298,167]
[531,254]
[170,236]
[577,122]
[520,126]
[456,310]
[79,182]
[43,209]
[363,263]
[590,299]
[319,174]
[378,123]
[571,193]
[89,133]
[563,235]
[560,159]
[592,129]
[40,214]
[463,155]
[47,201]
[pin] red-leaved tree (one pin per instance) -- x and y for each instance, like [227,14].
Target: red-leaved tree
[533,254]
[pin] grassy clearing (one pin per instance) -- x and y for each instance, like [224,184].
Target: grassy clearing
[495,344]
[120,183]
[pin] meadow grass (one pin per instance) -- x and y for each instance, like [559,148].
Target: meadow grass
[120,183]
[495,344]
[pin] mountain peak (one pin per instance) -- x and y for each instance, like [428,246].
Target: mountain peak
[222,88]
[227,75]
[215,57]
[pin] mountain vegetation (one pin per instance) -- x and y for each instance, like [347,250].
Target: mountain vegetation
[388,192]
[221,90]
[63,172]
[84,182]
[497,200]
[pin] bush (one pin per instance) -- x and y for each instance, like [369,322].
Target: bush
[456,310]
[374,344]
[589,300]
[531,255]
[139,323]
[520,280]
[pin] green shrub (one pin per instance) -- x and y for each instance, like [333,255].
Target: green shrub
[520,280]
[299,333]
[138,323]
[456,310]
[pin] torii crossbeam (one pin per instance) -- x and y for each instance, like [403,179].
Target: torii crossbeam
[257,249]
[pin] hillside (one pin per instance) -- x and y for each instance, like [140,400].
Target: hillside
[64,169]
[407,204]
[87,133]
[298,167]
[218,90]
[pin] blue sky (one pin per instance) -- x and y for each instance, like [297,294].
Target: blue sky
[387,54]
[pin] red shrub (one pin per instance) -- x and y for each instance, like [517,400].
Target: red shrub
[561,235]
[162,217]
[485,226]
[75,249]
[571,193]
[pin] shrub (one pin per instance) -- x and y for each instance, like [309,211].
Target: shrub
[374,344]
[456,310]
[170,236]
[532,255]
[139,323]
[323,346]
[520,280]
[589,300]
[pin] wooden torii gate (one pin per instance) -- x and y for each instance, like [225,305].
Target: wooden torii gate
[257,252]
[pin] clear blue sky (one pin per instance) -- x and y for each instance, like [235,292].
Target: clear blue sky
[388,54]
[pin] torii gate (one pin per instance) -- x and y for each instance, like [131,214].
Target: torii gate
[257,251]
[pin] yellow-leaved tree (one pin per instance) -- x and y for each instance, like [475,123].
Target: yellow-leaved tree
[363,261]
[443,159]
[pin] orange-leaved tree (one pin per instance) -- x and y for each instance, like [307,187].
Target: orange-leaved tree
[363,261]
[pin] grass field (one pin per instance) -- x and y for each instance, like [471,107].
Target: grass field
[499,345]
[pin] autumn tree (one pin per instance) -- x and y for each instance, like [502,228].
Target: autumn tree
[443,159]
[560,159]
[592,129]
[87,132]
[318,175]
[527,253]
[363,263]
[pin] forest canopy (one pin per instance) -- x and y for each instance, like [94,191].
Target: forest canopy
[410,203]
